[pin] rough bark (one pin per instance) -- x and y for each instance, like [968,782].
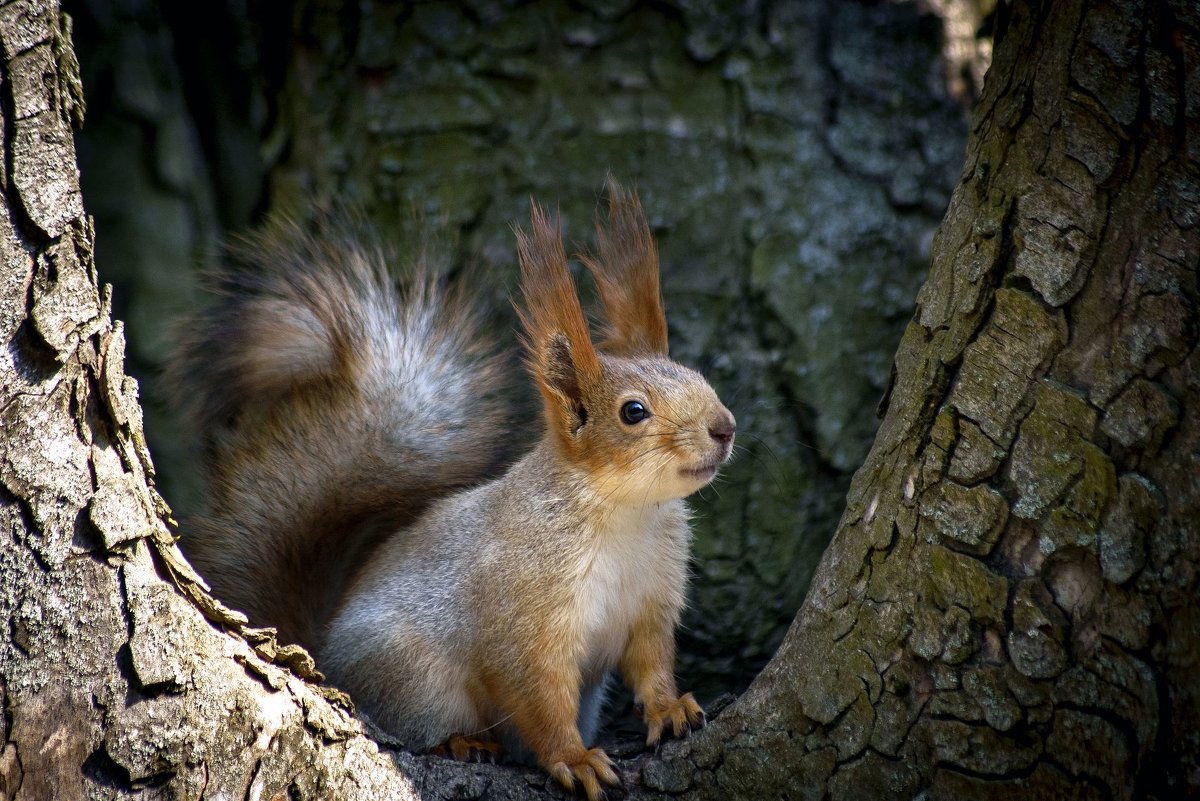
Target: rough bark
[171,163]
[1008,609]
[115,672]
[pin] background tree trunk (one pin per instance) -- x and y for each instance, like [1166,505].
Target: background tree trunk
[1009,607]
[795,158]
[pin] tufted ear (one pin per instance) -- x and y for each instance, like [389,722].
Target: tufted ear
[626,273]
[559,347]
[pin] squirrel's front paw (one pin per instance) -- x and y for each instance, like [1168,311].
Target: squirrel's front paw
[590,767]
[683,714]
[464,748]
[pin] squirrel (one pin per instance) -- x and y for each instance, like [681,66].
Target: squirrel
[352,430]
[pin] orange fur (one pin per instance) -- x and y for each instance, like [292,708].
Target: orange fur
[543,699]
[648,665]
[469,749]
[626,274]
[538,683]
[560,352]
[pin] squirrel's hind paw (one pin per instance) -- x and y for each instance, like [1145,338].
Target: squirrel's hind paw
[464,748]
[683,715]
[591,767]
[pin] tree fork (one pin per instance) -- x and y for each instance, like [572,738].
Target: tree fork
[1009,607]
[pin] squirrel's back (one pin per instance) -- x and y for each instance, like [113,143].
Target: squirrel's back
[335,399]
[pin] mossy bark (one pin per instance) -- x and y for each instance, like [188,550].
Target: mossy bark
[1008,609]
[1010,606]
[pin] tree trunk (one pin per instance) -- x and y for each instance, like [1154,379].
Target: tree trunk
[1010,606]
[116,671]
[1008,609]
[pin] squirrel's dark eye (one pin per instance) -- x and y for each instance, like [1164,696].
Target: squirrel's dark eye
[633,412]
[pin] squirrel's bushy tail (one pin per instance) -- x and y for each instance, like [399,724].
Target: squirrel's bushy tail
[335,399]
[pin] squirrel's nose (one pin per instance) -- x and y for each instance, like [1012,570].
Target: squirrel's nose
[723,430]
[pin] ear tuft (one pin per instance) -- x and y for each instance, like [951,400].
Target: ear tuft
[559,347]
[627,279]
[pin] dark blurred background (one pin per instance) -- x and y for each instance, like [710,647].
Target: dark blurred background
[794,157]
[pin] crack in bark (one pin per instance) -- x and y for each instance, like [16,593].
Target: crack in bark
[1108,793]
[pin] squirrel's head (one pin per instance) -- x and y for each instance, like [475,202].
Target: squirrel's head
[643,428]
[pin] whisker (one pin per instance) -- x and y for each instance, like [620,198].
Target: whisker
[661,446]
[489,728]
[678,425]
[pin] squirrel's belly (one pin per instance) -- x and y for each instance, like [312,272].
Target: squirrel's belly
[610,597]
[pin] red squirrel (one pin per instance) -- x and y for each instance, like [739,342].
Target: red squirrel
[351,424]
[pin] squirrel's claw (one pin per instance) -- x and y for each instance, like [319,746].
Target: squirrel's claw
[590,768]
[683,714]
[654,730]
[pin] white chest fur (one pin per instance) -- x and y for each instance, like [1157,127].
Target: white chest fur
[639,557]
